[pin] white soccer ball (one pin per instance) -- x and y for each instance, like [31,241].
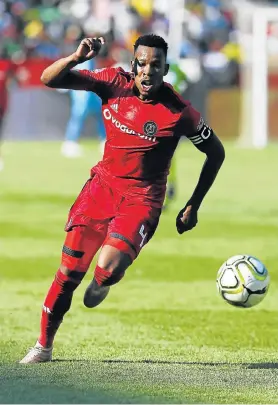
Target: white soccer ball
[243,281]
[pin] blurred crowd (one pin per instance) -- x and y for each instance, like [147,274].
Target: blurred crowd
[205,53]
[50,29]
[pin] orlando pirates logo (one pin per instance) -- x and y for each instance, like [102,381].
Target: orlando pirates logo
[150,128]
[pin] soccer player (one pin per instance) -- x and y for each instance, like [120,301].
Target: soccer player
[118,209]
[83,103]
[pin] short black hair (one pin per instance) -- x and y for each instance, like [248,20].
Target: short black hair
[153,41]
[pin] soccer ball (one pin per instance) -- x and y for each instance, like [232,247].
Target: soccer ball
[243,281]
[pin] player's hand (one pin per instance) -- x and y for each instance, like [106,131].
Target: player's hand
[88,49]
[187,219]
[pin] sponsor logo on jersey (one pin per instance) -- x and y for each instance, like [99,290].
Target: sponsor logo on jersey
[203,133]
[150,128]
[123,128]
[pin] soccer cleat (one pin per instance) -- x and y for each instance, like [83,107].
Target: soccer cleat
[37,354]
[95,294]
[71,149]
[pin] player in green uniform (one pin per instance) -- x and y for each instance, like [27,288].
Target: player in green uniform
[179,80]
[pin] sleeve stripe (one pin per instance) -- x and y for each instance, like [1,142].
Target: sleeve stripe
[197,141]
[194,137]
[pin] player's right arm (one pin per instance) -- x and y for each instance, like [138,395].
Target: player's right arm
[60,74]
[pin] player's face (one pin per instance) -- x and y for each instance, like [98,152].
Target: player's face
[149,67]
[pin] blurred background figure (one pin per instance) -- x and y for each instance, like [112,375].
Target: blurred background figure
[179,80]
[6,73]
[83,103]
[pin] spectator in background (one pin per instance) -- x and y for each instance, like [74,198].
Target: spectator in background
[6,73]
[39,28]
[83,103]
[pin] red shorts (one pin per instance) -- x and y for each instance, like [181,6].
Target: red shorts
[125,222]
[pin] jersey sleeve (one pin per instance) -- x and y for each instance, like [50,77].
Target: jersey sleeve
[103,82]
[192,125]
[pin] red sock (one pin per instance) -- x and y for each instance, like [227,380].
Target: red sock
[101,275]
[56,304]
[106,277]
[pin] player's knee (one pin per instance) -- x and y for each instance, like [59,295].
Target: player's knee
[113,259]
[112,265]
[74,261]
[108,277]
[65,270]
[73,276]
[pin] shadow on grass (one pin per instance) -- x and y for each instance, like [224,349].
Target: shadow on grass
[262,365]
[91,382]
[196,363]
[117,381]
[165,362]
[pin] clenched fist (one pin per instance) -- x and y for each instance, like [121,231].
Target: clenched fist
[187,218]
[88,49]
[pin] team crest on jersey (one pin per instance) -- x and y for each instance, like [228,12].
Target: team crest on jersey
[150,128]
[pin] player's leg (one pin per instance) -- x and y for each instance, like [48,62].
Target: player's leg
[80,247]
[85,236]
[78,113]
[114,259]
[81,244]
[126,236]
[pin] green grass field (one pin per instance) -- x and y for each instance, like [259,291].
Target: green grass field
[163,335]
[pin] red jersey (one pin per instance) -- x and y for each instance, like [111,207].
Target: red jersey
[141,135]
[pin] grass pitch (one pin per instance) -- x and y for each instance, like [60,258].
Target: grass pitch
[163,335]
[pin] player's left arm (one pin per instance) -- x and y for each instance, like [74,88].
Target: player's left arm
[207,142]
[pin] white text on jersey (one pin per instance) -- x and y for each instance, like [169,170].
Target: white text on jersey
[108,116]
